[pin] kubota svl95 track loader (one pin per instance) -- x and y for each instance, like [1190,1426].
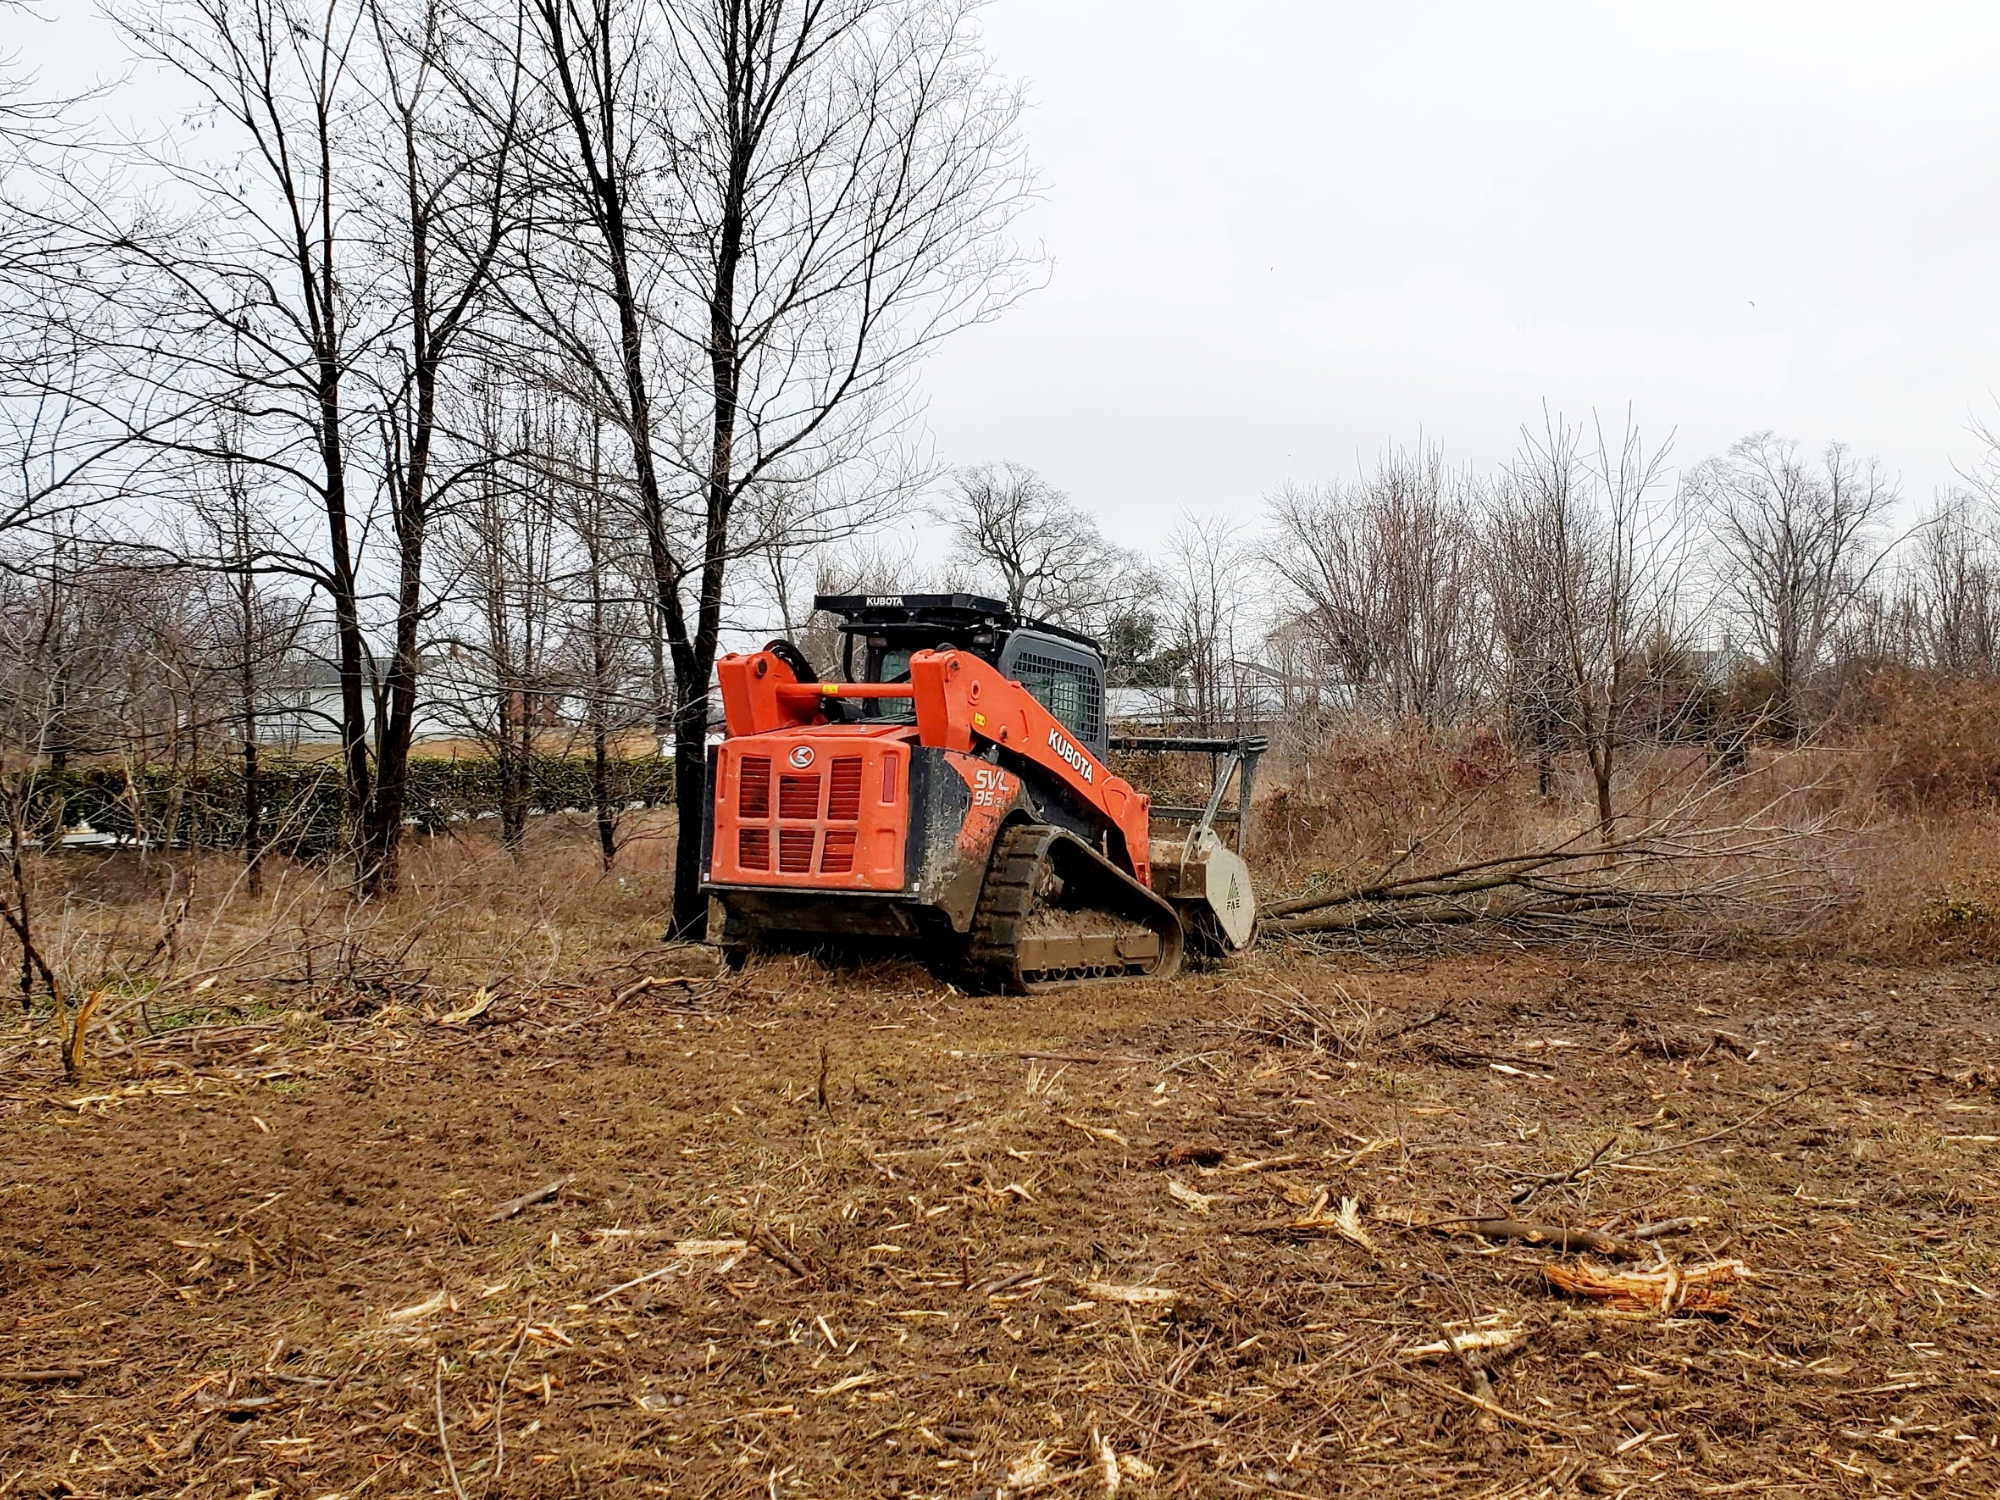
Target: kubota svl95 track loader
[953,792]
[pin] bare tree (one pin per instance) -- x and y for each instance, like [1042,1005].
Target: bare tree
[606,624]
[439,231]
[1043,550]
[1796,545]
[1208,570]
[792,529]
[1593,527]
[1531,673]
[49,387]
[860,566]
[1387,569]
[767,239]
[1954,588]
[253,628]
[301,321]
[501,550]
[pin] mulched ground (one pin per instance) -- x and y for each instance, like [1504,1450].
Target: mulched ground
[265,1259]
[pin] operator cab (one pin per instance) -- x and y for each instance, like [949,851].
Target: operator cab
[1061,668]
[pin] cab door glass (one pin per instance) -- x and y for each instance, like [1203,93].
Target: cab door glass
[1066,689]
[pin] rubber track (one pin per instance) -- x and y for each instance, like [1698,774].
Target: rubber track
[1006,901]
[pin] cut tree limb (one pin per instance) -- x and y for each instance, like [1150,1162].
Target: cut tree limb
[541,1194]
[1556,1236]
[1493,1408]
[774,1247]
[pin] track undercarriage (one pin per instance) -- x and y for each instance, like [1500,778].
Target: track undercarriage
[1055,912]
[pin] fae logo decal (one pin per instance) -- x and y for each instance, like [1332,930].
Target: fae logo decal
[801,757]
[1078,761]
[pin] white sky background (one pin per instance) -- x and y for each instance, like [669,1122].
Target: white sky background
[1287,234]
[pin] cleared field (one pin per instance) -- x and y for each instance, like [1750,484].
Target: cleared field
[851,1233]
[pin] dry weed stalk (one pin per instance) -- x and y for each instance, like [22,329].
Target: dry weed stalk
[1340,1026]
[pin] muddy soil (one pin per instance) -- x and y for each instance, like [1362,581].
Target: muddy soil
[801,1232]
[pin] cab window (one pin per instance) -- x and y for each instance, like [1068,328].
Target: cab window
[1068,690]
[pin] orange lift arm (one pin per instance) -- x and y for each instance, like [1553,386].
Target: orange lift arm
[961,699]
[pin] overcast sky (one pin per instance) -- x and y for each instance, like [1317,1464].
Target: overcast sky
[1286,234]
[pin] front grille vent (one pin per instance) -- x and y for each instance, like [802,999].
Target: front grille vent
[837,858]
[755,799]
[803,822]
[798,796]
[795,851]
[843,799]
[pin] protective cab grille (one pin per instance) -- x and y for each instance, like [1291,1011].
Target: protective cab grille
[1066,689]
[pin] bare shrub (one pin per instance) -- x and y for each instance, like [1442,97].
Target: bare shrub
[1930,742]
[1369,796]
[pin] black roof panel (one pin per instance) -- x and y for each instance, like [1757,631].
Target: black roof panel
[863,612]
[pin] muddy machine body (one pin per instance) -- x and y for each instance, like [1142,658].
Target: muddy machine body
[952,793]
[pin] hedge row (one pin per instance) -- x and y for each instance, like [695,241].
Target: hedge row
[302,808]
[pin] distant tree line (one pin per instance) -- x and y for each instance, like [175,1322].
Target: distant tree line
[1581,599]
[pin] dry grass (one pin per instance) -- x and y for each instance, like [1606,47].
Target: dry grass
[171,941]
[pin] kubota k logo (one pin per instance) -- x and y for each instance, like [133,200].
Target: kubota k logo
[801,757]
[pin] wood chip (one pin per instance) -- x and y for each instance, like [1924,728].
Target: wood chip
[1104,1291]
[422,1309]
[1270,1163]
[848,1383]
[482,1000]
[1693,1289]
[1477,1341]
[1095,1130]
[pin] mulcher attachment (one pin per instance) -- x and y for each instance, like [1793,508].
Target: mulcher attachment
[1055,912]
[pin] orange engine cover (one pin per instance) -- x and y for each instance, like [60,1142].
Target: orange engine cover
[824,807]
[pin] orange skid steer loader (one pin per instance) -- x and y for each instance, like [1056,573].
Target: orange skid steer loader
[953,794]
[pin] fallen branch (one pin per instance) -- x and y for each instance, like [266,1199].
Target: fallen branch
[1492,1408]
[655,982]
[1409,1026]
[1751,1118]
[1560,1179]
[774,1247]
[1541,1234]
[1085,1057]
[1525,1193]
[444,1441]
[546,1191]
[1672,873]
[1666,1227]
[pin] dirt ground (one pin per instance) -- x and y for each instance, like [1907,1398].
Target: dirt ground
[898,1241]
